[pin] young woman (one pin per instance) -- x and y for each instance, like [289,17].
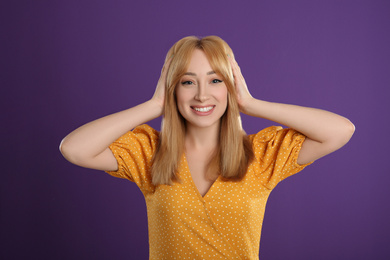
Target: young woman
[205,181]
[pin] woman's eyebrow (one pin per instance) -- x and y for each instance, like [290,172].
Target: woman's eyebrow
[194,74]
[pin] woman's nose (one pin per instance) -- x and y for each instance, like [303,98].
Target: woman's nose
[202,94]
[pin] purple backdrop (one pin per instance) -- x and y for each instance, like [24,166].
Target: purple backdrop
[65,63]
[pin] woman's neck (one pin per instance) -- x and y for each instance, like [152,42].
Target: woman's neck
[202,137]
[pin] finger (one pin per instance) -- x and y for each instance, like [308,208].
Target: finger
[166,66]
[233,66]
[237,66]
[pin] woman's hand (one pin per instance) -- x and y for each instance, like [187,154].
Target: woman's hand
[159,93]
[243,95]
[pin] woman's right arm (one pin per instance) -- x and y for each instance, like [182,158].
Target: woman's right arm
[87,146]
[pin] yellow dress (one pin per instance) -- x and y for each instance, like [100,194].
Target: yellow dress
[226,222]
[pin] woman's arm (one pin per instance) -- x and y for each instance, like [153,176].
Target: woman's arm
[87,146]
[325,131]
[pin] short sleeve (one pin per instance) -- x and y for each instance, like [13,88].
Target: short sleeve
[276,153]
[133,152]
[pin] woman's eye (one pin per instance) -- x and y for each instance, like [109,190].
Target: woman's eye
[187,82]
[216,81]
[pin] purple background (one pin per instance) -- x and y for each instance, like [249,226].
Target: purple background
[65,63]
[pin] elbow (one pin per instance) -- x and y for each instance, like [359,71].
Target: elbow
[352,128]
[344,133]
[349,130]
[65,150]
[68,152]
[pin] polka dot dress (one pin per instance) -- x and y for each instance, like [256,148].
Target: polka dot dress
[226,222]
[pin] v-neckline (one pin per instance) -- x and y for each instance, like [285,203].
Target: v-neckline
[189,176]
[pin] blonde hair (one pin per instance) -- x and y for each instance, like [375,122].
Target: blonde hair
[234,153]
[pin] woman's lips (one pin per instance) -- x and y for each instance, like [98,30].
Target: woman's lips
[204,110]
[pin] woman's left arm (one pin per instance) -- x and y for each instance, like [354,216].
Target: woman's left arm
[325,131]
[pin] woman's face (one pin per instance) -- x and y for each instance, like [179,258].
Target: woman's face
[201,94]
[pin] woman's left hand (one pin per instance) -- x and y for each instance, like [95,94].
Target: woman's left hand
[243,94]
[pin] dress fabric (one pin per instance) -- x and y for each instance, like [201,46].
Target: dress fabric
[226,222]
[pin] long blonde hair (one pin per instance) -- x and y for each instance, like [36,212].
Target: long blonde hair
[234,153]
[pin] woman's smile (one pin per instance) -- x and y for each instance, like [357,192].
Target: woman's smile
[205,110]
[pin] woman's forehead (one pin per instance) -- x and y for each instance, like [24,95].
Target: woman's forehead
[199,63]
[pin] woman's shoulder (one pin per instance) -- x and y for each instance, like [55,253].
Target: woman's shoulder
[146,129]
[142,134]
[277,135]
[266,134]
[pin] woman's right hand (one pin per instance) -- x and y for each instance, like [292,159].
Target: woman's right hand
[159,93]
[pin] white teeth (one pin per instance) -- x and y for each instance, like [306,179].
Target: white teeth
[203,109]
